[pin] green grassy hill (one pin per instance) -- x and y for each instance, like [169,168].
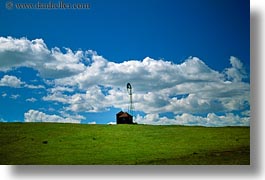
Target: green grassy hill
[49,143]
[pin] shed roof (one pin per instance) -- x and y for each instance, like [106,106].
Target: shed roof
[123,114]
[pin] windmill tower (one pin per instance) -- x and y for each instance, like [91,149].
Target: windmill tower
[129,90]
[126,117]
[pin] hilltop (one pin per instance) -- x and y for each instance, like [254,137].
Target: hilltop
[51,143]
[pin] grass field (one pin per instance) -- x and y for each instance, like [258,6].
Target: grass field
[50,143]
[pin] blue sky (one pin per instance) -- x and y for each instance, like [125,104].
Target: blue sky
[188,62]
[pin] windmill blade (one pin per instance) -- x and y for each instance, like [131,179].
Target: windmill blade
[129,86]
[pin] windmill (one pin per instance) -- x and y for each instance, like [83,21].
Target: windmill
[126,117]
[129,90]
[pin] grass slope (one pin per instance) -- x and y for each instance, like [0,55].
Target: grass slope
[48,143]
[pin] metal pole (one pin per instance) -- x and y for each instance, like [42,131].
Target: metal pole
[129,89]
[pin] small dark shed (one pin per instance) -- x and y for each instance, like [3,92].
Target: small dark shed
[124,118]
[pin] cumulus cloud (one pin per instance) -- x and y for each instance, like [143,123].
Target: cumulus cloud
[10,81]
[37,116]
[147,75]
[84,81]
[210,120]
[61,89]
[91,101]
[30,86]
[158,86]
[31,100]
[14,82]
[237,71]
[50,63]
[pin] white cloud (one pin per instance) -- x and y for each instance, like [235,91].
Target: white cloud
[71,116]
[35,54]
[91,101]
[93,122]
[31,100]
[146,75]
[37,116]
[30,86]
[211,119]
[84,81]
[111,123]
[14,82]
[10,81]
[246,113]
[158,87]
[237,71]
[61,89]
[14,96]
